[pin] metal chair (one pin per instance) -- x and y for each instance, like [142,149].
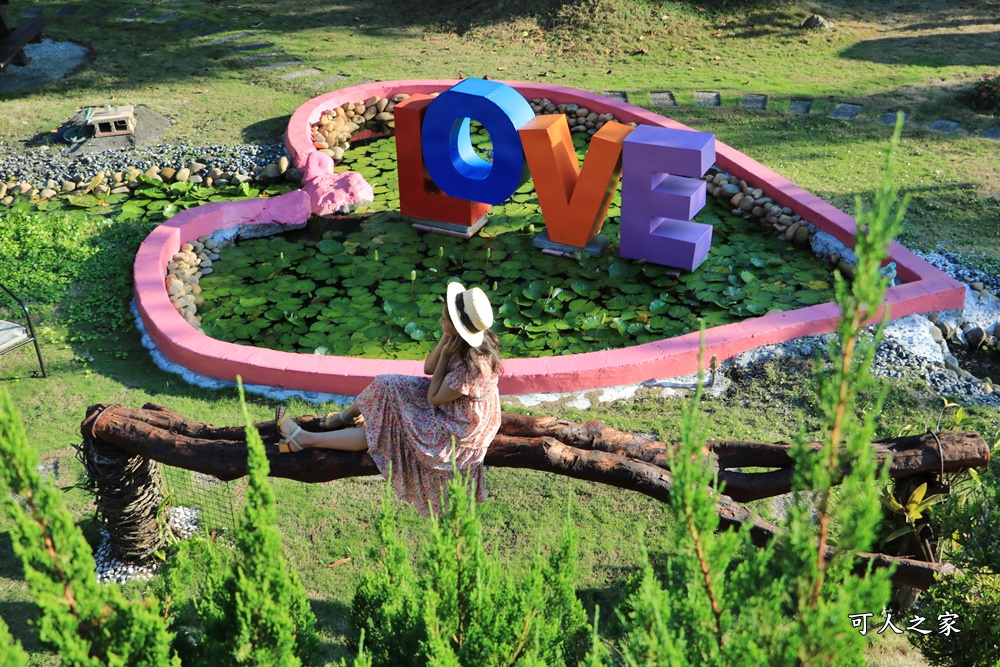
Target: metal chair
[13,336]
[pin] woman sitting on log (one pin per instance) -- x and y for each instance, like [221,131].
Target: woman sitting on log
[418,425]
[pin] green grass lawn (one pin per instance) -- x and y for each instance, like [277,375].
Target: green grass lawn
[913,57]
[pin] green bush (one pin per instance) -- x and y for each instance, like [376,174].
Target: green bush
[11,653]
[90,625]
[81,261]
[43,252]
[971,602]
[460,610]
[985,94]
[251,610]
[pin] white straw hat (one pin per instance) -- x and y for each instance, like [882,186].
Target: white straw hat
[470,311]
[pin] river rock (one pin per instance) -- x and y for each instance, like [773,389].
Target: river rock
[801,239]
[183,175]
[271,172]
[48,193]
[283,164]
[817,21]
[976,336]
[951,363]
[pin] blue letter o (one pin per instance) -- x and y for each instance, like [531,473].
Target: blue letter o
[451,160]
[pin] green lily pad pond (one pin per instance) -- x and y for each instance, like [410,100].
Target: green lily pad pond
[371,286]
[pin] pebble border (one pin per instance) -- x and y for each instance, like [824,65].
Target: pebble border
[927,289]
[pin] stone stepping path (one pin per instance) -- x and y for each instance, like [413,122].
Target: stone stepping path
[285,64]
[212,31]
[659,98]
[324,83]
[845,111]
[252,47]
[190,23]
[101,13]
[231,38]
[707,99]
[32,12]
[166,18]
[889,117]
[300,73]
[662,98]
[944,126]
[256,57]
[133,15]
[800,106]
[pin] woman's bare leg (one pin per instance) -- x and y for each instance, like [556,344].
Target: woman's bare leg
[345,440]
[350,413]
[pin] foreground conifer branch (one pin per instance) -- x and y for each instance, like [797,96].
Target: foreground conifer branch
[591,451]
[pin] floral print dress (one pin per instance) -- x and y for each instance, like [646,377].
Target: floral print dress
[418,439]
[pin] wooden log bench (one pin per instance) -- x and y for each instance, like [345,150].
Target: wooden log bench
[13,38]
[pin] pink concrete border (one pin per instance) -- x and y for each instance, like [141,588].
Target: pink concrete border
[927,289]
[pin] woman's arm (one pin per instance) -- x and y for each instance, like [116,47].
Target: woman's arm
[431,362]
[439,392]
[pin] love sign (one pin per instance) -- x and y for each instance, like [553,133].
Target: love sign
[443,180]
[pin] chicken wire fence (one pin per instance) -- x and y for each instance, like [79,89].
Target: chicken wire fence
[143,505]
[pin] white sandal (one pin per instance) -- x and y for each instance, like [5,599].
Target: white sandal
[288,444]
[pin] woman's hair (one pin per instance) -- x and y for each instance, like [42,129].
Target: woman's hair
[490,348]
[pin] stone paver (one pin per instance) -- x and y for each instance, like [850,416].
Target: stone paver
[944,126]
[256,57]
[889,117]
[800,106]
[754,101]
[366,80]
[323,83]
[166,18]
[252,47]
[707,99]
[991,133]
[662,98]
[190,23]
[231,38]
[300,73]
[101,13]
[134,15]
[284,64]
[846,111]
[212,31]
[616,95]
[68,10]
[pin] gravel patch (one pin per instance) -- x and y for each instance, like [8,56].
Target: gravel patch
[40,164]
[50,61]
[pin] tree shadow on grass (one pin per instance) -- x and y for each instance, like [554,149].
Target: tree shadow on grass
[264,131]
[939,50]
[334,618]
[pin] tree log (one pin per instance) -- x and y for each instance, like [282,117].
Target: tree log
[591,451]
